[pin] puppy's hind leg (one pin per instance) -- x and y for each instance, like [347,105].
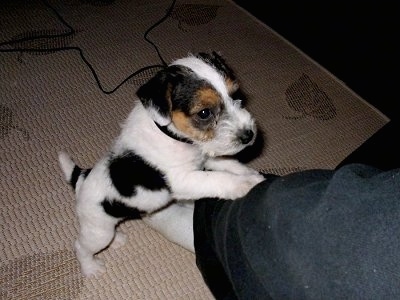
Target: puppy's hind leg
[93,238]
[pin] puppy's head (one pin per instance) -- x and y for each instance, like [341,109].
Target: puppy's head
[192,97]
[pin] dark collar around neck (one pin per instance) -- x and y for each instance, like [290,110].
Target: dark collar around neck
[172,135]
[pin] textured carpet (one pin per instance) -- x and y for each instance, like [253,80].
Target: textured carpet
[50,101]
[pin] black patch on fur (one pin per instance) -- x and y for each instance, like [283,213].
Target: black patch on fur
[169,89]
[184,91]
[152,93]
[86,172]
[129,170]
[120,210]
[76,172]
[155,92]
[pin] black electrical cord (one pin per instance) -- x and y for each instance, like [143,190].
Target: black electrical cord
[70,32]
[155,25]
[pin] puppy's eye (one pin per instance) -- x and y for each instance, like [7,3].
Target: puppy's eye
[204,114]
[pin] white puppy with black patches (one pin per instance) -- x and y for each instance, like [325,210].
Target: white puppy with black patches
[173,146]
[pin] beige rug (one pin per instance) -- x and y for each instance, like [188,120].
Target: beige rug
[50,101]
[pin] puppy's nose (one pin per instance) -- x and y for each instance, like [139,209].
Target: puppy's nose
[246,136]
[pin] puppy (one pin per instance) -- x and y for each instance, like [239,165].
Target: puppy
[173,145]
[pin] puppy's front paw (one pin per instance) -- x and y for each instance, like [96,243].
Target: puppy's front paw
[254,172]
[244,184]
[256,178]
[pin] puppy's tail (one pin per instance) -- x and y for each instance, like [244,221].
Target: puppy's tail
[72,172]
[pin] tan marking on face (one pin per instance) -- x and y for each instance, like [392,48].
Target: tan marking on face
[184,124]
[205,98]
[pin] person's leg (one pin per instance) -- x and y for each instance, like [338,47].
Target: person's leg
[207,260]
[304,236]
[381,151]
[207,213]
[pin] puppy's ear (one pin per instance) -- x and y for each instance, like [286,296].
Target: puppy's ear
[156,97]
[215,59]
[230,78]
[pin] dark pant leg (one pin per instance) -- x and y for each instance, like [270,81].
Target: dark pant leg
[308,235]
[216,221]
[209,212]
